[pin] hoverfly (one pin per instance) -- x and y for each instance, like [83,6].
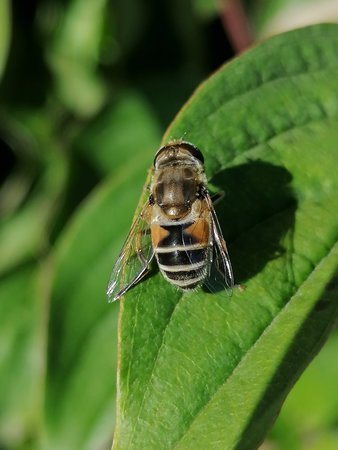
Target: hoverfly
[178,225]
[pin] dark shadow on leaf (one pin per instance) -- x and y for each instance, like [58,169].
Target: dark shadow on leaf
[255,214]
[305,345]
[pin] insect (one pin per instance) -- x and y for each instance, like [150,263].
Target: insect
[177,225]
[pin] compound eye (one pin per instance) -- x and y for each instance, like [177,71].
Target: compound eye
[196,153]
[159,151]
[192,149]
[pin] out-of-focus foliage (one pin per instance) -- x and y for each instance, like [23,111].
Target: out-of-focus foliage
[74,56]
[4,32]
[207,8]
[309,417]
[281,15]
[87,89]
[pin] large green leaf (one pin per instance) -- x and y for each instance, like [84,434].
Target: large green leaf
[207,371]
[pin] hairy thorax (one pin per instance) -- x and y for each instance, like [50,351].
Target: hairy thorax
[175,189]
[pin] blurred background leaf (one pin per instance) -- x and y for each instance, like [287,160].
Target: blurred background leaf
[23,340]
[207,9]
[116,136]
[87,89]
[5,26]
[74,54]
[282,15]
[82,340]
[309,416]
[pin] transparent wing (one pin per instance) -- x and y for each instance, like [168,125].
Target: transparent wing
[220,276]
[134,259]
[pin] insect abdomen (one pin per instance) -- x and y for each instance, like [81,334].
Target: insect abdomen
[182,256]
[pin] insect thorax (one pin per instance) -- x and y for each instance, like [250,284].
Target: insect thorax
[176,187]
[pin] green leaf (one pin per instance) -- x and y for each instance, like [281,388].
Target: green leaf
[314,415]
[206,9]
[4,33]
[208,371]
[270,18]
[22,349]
[118,133]
[75,54]
[79,407]
[25,233]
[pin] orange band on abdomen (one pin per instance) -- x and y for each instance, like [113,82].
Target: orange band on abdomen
[200,231]
[158,233]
